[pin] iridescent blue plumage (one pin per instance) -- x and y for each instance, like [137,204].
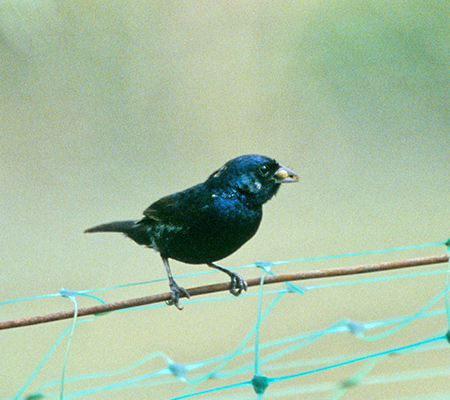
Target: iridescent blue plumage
[209,221]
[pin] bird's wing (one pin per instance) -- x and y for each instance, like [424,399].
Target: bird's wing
[164,210]
[176,209]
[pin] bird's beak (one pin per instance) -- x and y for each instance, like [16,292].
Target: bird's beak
[285,175]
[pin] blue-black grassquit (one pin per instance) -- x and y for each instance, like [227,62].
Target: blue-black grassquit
[209,221]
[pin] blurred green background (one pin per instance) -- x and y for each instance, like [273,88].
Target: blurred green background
[108,106]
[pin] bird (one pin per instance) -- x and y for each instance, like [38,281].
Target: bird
[209,221]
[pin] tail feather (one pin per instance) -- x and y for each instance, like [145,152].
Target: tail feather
[130,228]
[116,226]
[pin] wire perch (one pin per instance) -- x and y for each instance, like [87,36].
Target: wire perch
[220,287]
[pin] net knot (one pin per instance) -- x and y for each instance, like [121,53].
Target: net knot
[265,265]
[260,383]
[178,370]
[447,336]
[355,327]
[68,293]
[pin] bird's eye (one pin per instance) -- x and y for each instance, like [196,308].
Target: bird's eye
[264,170]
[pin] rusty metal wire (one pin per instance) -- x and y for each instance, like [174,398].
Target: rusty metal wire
[220,287]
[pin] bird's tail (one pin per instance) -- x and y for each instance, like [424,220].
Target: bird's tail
[116,226]
[130,228]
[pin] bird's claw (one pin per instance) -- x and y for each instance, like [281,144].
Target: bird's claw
[238,284]
[175,293]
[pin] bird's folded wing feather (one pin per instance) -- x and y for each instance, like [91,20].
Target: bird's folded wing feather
[177,209]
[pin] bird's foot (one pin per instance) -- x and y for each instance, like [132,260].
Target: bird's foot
[175,293]
[238,284]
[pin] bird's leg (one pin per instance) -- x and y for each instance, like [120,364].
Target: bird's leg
[238,283]
[176,291]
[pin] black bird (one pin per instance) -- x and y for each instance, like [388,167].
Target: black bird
[209,221]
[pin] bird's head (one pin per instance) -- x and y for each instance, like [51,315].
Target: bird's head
[254,178]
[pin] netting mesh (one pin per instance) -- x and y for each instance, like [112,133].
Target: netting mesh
[400,350]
